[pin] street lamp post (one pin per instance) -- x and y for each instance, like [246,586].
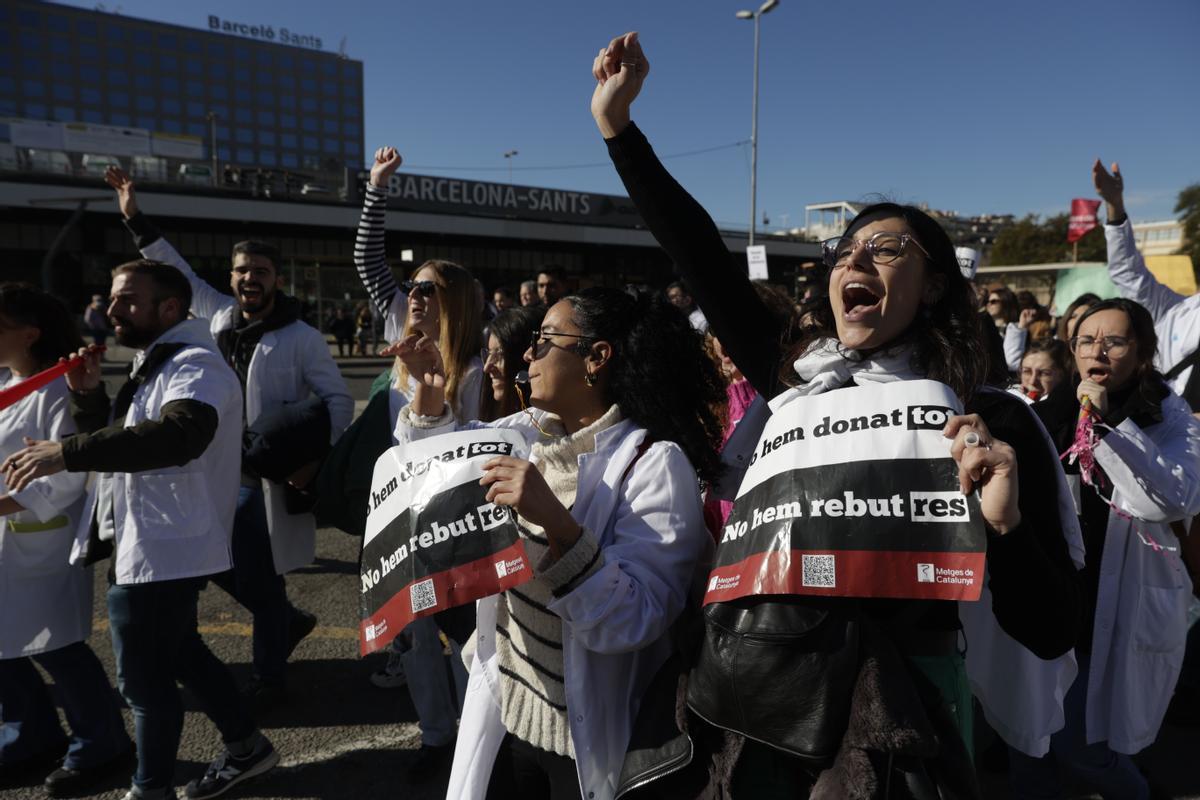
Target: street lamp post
[765,8]
[508,156]
[212,145]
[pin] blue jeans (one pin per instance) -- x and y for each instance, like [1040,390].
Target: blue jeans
[1114,775]
[29,722]
[255,585]
[437,701]
[156,643]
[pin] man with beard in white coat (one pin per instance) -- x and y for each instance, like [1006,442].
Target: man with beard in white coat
[279,360]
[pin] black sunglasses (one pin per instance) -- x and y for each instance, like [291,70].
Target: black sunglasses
[425,288]
[539,338]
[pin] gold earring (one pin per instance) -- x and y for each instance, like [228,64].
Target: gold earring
[589,379]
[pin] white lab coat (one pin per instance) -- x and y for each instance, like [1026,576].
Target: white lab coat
[615,624]
[288,364]
[45,603]
[175,522]
[1141,610]
[1176,318]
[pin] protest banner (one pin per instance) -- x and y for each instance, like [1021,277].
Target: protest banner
[432,540]
[853,493]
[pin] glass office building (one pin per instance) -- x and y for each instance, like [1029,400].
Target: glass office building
[277,106]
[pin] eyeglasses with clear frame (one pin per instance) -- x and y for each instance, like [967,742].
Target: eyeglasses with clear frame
[1089,347]
[884,248]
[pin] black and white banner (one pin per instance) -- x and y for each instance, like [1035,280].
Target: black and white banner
[854,493]
[432,540]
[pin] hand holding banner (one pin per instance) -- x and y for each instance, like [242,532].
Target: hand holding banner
[854,493]
[432,539]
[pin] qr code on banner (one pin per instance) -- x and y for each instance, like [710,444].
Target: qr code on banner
[818,572]
[422,595]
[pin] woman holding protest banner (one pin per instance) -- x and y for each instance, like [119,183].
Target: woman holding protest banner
[45,603]
[609,505]
[1135,468]
[898,310]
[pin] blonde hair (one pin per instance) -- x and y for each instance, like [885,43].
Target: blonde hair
[459,325]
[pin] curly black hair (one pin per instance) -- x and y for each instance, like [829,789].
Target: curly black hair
[24,305]
[948,344]
[661,377]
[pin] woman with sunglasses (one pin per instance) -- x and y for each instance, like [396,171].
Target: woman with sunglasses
[1136,590]
[440,301]
[622,427]
[898,308]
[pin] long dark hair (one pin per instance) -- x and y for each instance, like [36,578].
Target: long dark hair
[947,342]
[1085,299]
[514,328]
[25,305]
[1150,382]
[661,377]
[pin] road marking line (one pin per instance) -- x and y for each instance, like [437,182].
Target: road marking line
[405,735]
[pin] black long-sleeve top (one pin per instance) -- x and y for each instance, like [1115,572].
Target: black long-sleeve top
[1035,589]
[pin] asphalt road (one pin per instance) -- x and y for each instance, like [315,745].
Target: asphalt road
[339,736]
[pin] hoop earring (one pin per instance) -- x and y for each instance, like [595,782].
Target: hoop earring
[590,380]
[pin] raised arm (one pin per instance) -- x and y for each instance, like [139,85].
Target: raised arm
[736,316]
[1126,266]
[368,245]
[206,301]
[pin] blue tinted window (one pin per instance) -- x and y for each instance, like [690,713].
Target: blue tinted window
[266,157]
[167,41]
[119,118]
[243,115]
[267,138]
[145,102]
[147,122]
[308,66]
[30,40]
[35,111]
[353,149]
[169,84]
[8,85]
[195,109]
[144,81]
[221,111]
[349,69]
[62,70]
[168,63]
[191,45]
[245,155]
[143,59]
[329,106]
[352,129]
[222,132]
[193,67]
[310,143]
[27,17]
[308,84]
[194,88]
[241,53]
[33,88]
[329,67]
[116,55]
[89,96]
[64,113]
[266,97]
[120,99]
[245,136]
[308,104]
[263,77]
[241,94]
[8,107]
[309,124]
[285,61]
[59,45]
[219,92]
[289,160]
[170,105]
[86,27]
[118,77]
[88,50]
[350,89]
[329,87]
[216,49]
[142,37]
[264,58]
[172,126]
[58,23]
[241,74]
[223,153]
[287,139]
[217,70]
[266,118]
[31,66]
[287,81]
[63,92]
[114,32]
[196,129]
[329,125]
[331,145]
[287,121]
[287,101]
[350,109]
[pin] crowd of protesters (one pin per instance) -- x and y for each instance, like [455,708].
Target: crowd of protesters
[235,436]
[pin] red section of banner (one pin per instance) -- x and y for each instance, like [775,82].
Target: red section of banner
[34,382]
[851,573]
[1083,218]
[456,586]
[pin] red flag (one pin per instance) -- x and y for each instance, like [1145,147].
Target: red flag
[1083,218]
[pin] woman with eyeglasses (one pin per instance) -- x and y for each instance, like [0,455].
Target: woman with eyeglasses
[1136,590]
[440,302]
[622,431]
[898,308]
[503,358]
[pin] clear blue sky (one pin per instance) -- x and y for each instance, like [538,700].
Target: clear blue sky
[965,105]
